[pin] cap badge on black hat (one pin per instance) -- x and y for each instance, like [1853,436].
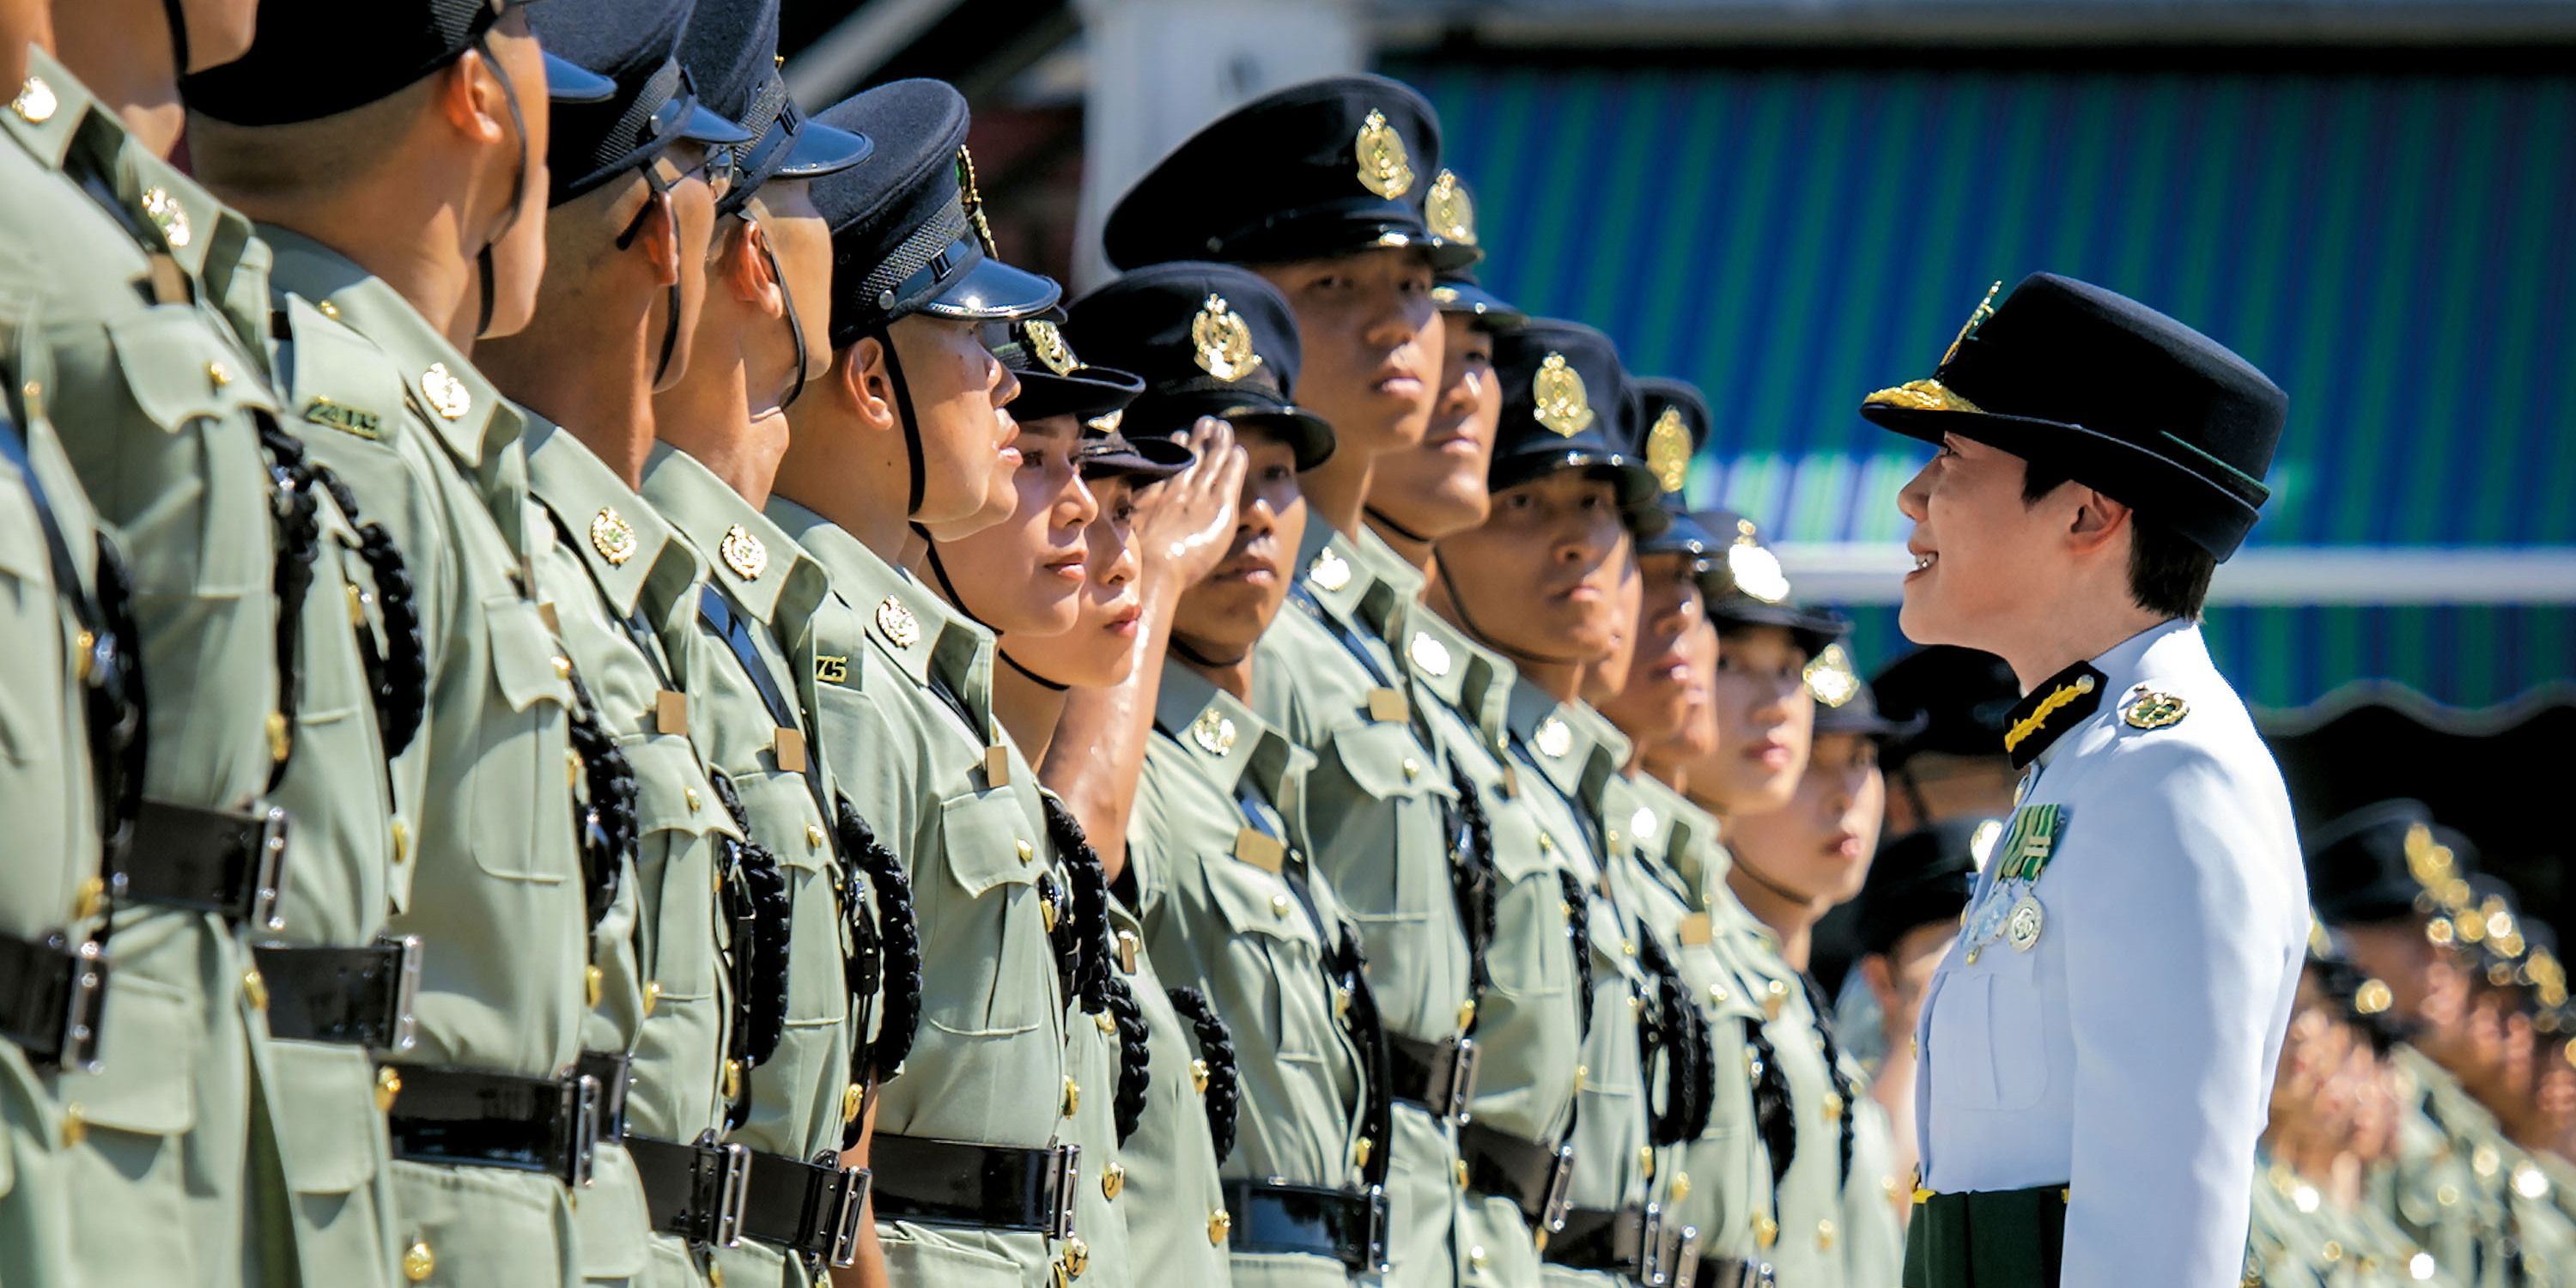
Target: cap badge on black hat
[1756,572]
[1830,676]
[1932,395]
[1224,341]
[1668,450]
[1563,406]
[1385,169]
[1108,422]
[1448,209]
[1047,345]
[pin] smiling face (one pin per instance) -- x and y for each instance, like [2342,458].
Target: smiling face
[1437,487]
[1764,717]
[1539,578]
[1982,556]
[1024,577]
[1100,650]
[1219,617]
[1663,688]
[958,391]
[1371,341]
[1819,845]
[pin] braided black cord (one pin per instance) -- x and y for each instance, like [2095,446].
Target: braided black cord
[1848,1086]
[1472,878]
[119,734]
[1368,1032]
[1774,1116]
[400,681]
[1216,1051]
[900,930]
[299,543]
[1676,1028]
[1135,1054]
[765,1007]
[1090,904]
[610,830]
[1578,928]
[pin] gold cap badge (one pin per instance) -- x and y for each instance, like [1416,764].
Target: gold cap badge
[1562,404]
[743,553]
[1384,167]
[1756,572]
[1932,395]
[1213,732]
[612,536]
[1668,450]
[1831,678]
[168,215]
[1224,341]
[1976,318]
[35,103]
[1449,210]
[1047,345]
[447,395]
[898,623]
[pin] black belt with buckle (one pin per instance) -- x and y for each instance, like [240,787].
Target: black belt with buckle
[988,1187]
[694,1191]
[1346,1225]
[1438,1076]
[1632,1241]
[1533,1176]
[472,1118]
[354,996]
[207,860]
[807,1208]
[613,1071]
[1728,1272]
[50,990]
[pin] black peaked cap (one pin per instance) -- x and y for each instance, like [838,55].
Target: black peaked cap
[1753,589]
[1450,211]
[1963,697]
[1209,340]
[1053,380]
[2358,873]
[372,50]
[636,45]
[731,50]
[1673,422]
[1922,878]
[1565,406]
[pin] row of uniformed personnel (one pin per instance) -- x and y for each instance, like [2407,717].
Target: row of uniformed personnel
[507,563]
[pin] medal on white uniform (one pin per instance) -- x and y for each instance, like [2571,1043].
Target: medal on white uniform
[2010,910]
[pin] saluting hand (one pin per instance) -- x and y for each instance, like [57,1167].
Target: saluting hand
[1186,522]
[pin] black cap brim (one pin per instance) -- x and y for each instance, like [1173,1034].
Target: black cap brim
[1083,393]
[1851,718]
[818,149]
[1684,535]
[1144,459]
[1309,436]
[699,123]
[993,291]
[1473,300]
[570,82]
[1813,630]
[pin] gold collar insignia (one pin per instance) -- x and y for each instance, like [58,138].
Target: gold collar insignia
[743,553]
[612,536]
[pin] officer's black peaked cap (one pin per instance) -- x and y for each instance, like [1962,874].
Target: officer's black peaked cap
[2121,397]
[1323,168]
[318,58]
[1964,698]
[1668,448]
[1054,380]
[1209,340]
[731,50]
[904,239]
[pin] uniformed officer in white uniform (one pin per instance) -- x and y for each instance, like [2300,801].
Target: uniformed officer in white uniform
[2098,1046]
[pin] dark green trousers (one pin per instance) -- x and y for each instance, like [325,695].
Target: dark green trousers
[1987,1239]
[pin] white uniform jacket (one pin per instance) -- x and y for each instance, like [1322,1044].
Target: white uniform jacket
[2110,1025]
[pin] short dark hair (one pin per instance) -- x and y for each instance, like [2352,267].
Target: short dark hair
[2168,574]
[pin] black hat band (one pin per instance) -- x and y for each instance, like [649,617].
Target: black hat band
[934,252]
[637,134]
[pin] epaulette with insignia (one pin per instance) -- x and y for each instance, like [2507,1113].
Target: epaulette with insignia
[2052,708]
[2148,709]
[335,378]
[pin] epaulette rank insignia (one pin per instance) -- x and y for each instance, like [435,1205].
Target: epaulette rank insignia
[2149,709]
[346,419]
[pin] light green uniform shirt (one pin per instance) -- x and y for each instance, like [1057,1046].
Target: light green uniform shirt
[903,685]
[1873,1240]
[615,577]
[494,881]
[1809,1243]
[770,586]
[47,790]
[156,402]
[1384,811]
[1166,1183]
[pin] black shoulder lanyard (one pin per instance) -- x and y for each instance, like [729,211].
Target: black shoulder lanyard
[736,633]
[107,667]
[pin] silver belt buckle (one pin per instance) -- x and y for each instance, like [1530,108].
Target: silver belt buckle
[269,868]
[79,1047]
[845,1215]
[1375,1253]
[581,1100]
[1683,1263]
[1462,1080]
[1650,1249]
[1560,1187]
[733,1188]
[403,1026]
[1068,1176]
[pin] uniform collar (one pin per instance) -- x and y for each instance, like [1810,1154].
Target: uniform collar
[1472,679]
[619,537]
[1607,754]
[1564,745]
[1360,580]
[48,109]
[2067,699]
[468,415]
[914,629]
[1221,736]
[760,567]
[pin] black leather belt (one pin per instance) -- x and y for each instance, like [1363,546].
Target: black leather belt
[988,1187]
[471,1118]
[1438,1076]
[1346,1225]
[694,1191]
[1727,1272]
[50,991]
[807,1208]
[1533,1176]
[612,1070]
[207,860]
[1633,1241]
[355,996]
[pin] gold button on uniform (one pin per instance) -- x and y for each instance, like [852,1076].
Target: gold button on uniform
[1113,1178]
[1824,1234]
[1108,1024]
[1199,1076]
[1466,1014]
[75,1124]
[852,1097]
[1765,1231]
[592,979]
[1476,1255]
[1279,905]
[1681,1186]
[690,796]
[652,995]
[813,836]
[1026,853]
[1460,1169]
[1219,1222]
[419,1263]
[388,1086]
[1077,1256]
[255,989]
[1072,1096]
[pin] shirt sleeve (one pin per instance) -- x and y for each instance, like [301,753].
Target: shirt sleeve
[2175,972]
